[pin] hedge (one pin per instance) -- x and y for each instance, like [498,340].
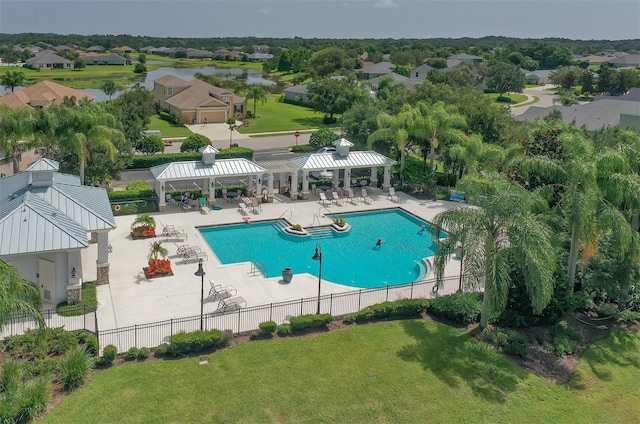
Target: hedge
[304,322]
[148,161]
[139,197]
[395,309]
[184,343]
[461,307]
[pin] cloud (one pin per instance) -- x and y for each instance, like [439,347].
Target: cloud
[264,11]
[385,4]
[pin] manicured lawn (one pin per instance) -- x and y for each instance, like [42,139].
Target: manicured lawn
[413,371]
[515,98]
[535,99]
[168,129]
[88,72]
[277,116]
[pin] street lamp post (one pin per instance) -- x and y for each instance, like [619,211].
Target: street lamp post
[317,256]
[230,134]
[200,273]
[461,259]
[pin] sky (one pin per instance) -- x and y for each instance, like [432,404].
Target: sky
[574,19]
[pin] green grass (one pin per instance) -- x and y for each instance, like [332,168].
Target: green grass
[536,99]
[88,302]
[514,98]
[168,129]
[277,116]
[412,371]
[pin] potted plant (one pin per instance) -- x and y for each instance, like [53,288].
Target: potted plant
[340,225]
[158,267]
[144,226]
[296,229]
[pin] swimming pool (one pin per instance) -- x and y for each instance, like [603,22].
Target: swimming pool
[351,259]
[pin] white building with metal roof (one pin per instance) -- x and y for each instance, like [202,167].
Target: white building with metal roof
[45,221]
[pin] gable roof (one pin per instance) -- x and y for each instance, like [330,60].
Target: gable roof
[379,68]
[464,56]
[198,169]
[171,81]
[44,93]
[44,164]
[49,218]
[628,59]
[422,68]
[320,161]
[45,57]
[197,94]
[409,83]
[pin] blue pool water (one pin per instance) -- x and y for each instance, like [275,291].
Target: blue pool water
[350,259]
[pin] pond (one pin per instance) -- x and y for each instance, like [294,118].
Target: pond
[253,76]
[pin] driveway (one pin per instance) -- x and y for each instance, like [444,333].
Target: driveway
[542,92]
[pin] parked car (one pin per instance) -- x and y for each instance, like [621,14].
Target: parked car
[325,174]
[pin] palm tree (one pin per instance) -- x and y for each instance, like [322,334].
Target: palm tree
[258,94]
[12,79]
[157,250]
[394,129]
[507,224]
[18,296]
[16,133]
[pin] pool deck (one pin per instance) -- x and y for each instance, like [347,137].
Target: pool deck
[132,299]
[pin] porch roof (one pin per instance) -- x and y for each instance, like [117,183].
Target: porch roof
[320,161]
[197,169]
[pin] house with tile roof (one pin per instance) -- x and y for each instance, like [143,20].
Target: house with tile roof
[199,101]
[376,70]
[43,94]
[420,72]
[123,49]
[459,58]
[626,61]
[47,59]
[46,222]
[96,49]
[104,59]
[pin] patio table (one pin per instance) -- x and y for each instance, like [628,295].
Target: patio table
[232,195]
[324,187]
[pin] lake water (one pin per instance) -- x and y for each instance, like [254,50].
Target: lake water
[253,77]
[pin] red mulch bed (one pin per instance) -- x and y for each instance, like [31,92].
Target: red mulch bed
[147,276]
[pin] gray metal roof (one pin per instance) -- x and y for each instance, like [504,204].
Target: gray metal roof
[281,165]
[197,169]
[44,164]
[332,160]
[55,217]
[343,142]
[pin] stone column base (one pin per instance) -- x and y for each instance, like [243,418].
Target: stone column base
[294,196]
[305,195]
[103,274]
[94,237]
[161,208]
[74,293]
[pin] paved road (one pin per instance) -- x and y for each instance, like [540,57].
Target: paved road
[542,92]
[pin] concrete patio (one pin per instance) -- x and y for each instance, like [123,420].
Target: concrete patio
[132,299]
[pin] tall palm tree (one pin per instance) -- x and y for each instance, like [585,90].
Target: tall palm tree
[12,79]
[258,94]
[18,296]
[507,223]
[157,250]
[394,129]
[16,133]
[440,122]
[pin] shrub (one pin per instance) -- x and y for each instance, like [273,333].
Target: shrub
[147,161]
[88,302]
[10,378]
[39,367]
[162,350]
[254,335]
[268,327]
[139,68]
[609,310]
[74,369]
[322,137]
[184,343]
[41,342]
[151,144]
[132,353]
[194,142]
[629,316]
[304,322]
[303,148]
[89,341]
[461,307]
[109,354]
[32,400]
[398,308]
[563,345]
[227,337]
[144,353]
[284,330]
[349,318]
[517,344]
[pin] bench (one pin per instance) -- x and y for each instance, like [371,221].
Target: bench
[456,196]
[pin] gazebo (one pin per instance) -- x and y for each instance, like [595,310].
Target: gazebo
[207,169]
[343,159]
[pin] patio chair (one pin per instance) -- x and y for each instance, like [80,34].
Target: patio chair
[366,198]
[193,254]
[323,199]
[232,303]
[314,188]
[181,250]
[218,291]
[203,206]
[392,195]
[255,204]
[352,197]
[224,195]
[336,198]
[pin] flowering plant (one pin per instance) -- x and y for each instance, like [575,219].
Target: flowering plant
[159,266]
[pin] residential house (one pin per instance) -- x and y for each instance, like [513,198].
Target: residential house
[47,59]
[95,49]
[259,57]
[159,51]
[123,49]
[109,59]
[409,83]
[297,94]
[43,94]
[199,101]
[459,58]
[199,53]
[540,77]
[420,72]
[47,220]
[376,70]
[596,60]
[147,49]
[602,112]
[626,61]
[260,48]
[63,48]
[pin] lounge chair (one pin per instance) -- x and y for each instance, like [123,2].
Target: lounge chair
[336,198]
[323,199]
[392,195]
[194,254]
[170,231]
[181,250]
[255,205]
[203,206]
[365,197]
[352,197]
[243,209]
[232,303]
[218,291]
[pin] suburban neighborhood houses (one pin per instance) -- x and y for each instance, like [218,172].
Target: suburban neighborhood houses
[318,229]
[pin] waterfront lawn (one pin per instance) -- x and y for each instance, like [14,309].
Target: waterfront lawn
[168,129]
[280,116]
[411,371]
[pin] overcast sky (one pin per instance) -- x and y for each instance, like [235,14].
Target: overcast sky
[576,19]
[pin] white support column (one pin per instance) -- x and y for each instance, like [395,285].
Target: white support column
[294,185]
[305,184]
[374,176]
[284,181]
[161,190]
[347,179]
[386,183]
[335,181]
[258,185]
[102,262]
[269,187]
[211,184]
